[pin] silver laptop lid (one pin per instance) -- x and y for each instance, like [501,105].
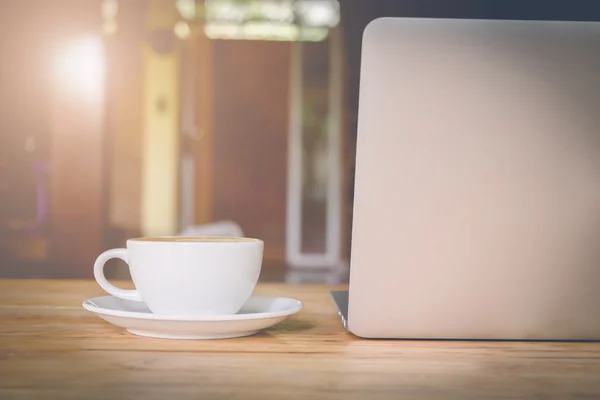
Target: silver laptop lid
[477,194]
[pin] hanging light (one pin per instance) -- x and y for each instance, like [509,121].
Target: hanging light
[80,65]
[186,8]
[321,13]
[288,20]
[182,30]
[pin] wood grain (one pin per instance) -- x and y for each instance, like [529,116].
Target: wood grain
[124,120]
[51,348]
[203,145]
[77,184]
[249,142]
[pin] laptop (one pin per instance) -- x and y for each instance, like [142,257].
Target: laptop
[477,192]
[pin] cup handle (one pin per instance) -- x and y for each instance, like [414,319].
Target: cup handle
[101,279]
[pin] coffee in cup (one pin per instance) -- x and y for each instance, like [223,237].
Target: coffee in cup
[187,276]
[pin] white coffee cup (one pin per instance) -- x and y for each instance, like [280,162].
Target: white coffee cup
[187,275]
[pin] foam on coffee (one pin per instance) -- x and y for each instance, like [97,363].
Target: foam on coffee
[207,239]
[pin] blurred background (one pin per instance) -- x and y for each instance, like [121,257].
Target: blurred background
[126,118]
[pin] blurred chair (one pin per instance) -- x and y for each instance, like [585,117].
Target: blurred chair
[219,228]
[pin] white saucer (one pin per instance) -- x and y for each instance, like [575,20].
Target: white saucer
[259,312]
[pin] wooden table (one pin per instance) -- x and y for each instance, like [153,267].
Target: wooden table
[51,348]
